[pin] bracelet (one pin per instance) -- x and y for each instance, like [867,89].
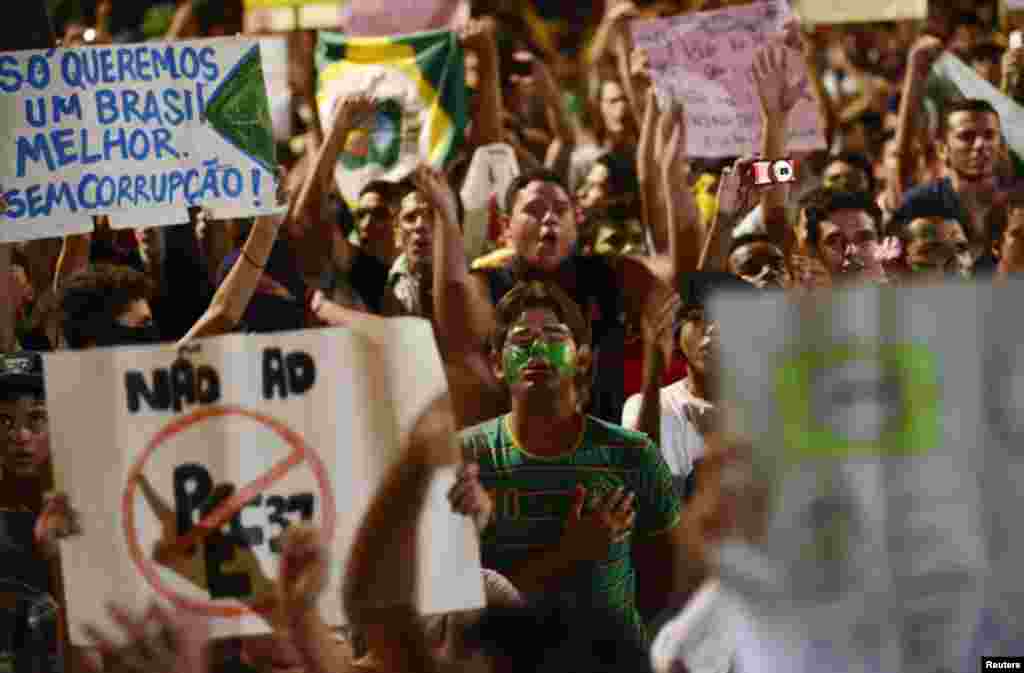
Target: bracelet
[249,259]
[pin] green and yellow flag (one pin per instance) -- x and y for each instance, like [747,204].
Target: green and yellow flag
[420,82]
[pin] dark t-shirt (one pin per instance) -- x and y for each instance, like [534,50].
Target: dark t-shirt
[939,199]
[369,279]
[28,612]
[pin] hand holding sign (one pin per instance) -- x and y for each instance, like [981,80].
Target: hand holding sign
[303,572]
[468,497]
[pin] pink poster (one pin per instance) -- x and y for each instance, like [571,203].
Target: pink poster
[376,18]
[704,60]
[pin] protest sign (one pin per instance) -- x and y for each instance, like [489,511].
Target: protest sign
[704,60]
[874,419]
[274,52]
[286,15]
[863,11]
[133,128]
[491,171]
[378,18]
[419,83]
[197,463]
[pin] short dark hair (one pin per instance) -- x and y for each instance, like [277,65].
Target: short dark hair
[963,105]
[987,52]
[406,186]
[857,160]
[833,202]
[383,187]
[563,637]
[522,180]
[537,294]
[93,299]
[749,239]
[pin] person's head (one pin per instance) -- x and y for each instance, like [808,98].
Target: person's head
[150,242]
[970,139]
[24,424]
[108,306]
[935,249]
[374,216]
[1008,243]
[540,220]
[610,187]
[697,335]
[987,59]
[854,135]
[471,61]
[562,637]
[843,231]
[966,31]
[758,260]
[849,172]
[542,342]
[614,107]
[415,223]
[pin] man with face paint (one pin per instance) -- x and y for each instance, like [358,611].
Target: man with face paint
[582,507]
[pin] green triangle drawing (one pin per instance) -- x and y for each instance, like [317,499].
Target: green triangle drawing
[240,112]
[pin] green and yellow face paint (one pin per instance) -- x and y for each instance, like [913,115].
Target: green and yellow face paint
[560,356]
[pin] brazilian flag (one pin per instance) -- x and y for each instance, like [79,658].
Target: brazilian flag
[952,79]
[419,82]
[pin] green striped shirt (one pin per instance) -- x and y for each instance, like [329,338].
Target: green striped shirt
[533,496]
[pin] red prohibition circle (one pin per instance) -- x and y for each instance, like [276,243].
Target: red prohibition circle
[300,453]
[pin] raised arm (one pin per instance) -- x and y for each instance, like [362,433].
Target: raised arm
[652,211]
[733,203]
[777,99]
[387,539]
[464,315]
[684,231]
[234,294]
[350,113]
[909,124]
[612,24]
[479,35]
[552,95]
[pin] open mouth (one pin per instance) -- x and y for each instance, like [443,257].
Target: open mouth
[549,238]
[536,368]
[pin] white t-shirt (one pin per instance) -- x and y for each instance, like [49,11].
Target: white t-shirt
[681,444]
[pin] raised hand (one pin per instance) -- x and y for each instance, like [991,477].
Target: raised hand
[160,642]
[303,573]
[351,112]
[434,187]
[771,75]
[673,148]
[735,196]
[468,497]
[589,536]
[59,520]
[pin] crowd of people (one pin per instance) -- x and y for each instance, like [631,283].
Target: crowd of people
[583,404]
